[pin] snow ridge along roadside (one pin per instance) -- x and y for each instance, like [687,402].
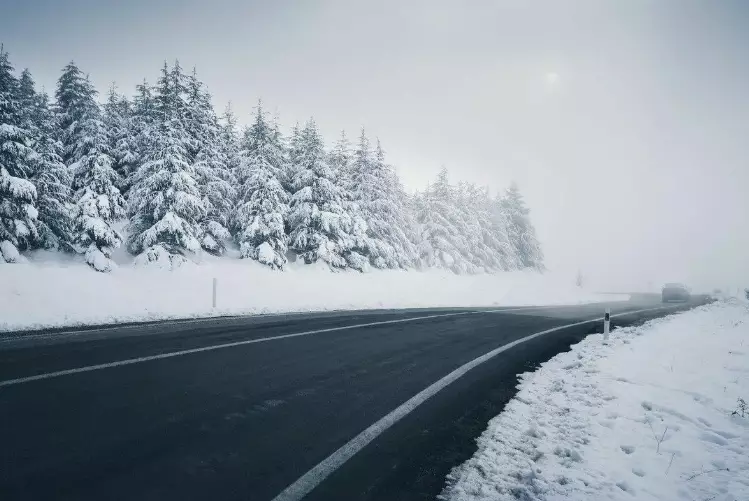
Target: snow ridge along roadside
[35,296]
[655,414]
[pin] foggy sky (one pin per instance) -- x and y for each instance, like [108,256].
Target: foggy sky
[622,121]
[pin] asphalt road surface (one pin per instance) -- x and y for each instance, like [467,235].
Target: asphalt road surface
[244,408]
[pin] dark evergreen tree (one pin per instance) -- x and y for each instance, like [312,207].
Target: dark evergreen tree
[213,174]
[121,135]
[75,100]
[99,203]
[50,176]
[165,205]
[18,214]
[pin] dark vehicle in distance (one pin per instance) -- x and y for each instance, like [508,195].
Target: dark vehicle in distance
[674,292]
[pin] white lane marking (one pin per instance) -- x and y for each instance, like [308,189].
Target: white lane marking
[172,354]
[316,475]
[8,336]
[131,361]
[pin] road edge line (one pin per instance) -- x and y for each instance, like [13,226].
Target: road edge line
[314,477]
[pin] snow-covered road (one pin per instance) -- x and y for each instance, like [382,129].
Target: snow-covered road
[659,414]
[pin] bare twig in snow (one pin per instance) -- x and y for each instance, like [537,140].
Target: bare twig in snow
[663,437]
[705,472]
[655,436]
[670,462]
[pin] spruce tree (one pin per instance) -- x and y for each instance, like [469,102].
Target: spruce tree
[212,172]
[521,232]
[120,131]
[75,100]
[165,203]
[166,206]
[229,140]
[259,223]
[443,242]
[18,214]
[380,201]
[339,159]
[320,227]
[50,176]
[500,230]
[99,203]
[144,119]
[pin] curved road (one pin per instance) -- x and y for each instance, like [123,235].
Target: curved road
[243,408]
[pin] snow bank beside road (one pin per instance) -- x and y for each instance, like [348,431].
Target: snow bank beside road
[57,293]
[649,416]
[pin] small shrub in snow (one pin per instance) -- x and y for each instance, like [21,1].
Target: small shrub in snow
[742,409]
[158,256]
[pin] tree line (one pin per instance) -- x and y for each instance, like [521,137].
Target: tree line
[188,181]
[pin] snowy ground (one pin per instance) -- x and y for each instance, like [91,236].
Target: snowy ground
[650,416]
[51,292]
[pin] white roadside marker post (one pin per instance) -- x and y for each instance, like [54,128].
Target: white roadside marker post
[215,286]
[606,325]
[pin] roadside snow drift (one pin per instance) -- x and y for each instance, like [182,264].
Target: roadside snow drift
[657,414]
[39,294]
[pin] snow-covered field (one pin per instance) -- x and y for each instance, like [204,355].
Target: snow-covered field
[51,292]
[653,415]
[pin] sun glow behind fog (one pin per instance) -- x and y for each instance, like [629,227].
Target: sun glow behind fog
[552,79]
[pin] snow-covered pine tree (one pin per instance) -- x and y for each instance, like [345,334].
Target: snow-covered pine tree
[165,203]
[443,242]
[50,176]
[411,228]
[294,151]
[213,174]
[319,224]
[377,193]
[500,230]
[489,246]
[521,232]
[259,222]
[166,206]
[339,160]
[99,203]
[18,214]
[75,99]
[144,119]
[171,97]
[229,140]
[118,124]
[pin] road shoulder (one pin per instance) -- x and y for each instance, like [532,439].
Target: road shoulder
[650,413]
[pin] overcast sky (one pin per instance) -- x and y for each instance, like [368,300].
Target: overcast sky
[625,123]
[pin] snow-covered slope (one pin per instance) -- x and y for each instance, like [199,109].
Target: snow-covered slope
[654,415]
[54,293]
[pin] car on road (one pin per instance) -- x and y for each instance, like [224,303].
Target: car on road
[674,292]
